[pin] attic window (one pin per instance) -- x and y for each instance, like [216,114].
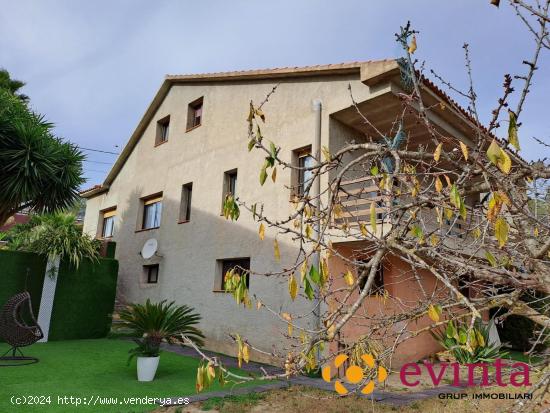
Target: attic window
[194,114]
[163,127]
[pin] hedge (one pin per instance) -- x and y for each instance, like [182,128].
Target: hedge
[84,298]
[13,276]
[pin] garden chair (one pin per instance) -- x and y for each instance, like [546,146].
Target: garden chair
[15,331]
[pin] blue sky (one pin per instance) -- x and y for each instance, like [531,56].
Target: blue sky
[92,67]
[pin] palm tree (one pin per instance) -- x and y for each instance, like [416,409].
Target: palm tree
[155,323]
[56,236]
[37,170]
[12,85]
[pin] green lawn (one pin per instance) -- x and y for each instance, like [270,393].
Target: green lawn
[92,368]
[519,356]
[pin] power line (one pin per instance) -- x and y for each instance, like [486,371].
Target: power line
[98,150]
[104,163]
[95,170]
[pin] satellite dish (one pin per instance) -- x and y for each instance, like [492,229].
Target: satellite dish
[149,248]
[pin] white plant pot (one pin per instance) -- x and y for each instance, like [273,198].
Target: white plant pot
[147,368]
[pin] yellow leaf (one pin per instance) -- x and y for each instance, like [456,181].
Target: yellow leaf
[490,257]
[437,152]
[373,216]
[536,232]
[434,239]
[330,332]
[338,211]
[246,354]
[464,149]
[493,209]
[250,113]
[261,231]
[260,114]
[433,313]
[303,270]
[506,163]
[292,287]
[274,175]
[199,385]
[493,152]
[414,191]
[211,371]
[288,318]
[349,278]
[501,231]
[276,251]
[323,266]
[438,184]
[449,184]
[496,202]
[308,231]
[363,229]
[412,47]
[382,182]
[326,153]
[513,130]
[499,157]
[480,338]
[477,233]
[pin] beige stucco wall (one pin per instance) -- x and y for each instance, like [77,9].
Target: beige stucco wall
[189,251]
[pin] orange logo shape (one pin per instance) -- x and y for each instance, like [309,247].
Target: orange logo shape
[354,374]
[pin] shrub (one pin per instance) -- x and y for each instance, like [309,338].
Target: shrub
[469,346]
[155,323]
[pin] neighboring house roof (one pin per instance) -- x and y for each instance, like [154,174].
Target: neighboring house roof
[18,218]
[371,72]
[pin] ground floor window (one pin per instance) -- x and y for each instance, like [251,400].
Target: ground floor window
[378,282]
[240,265]
[151,273]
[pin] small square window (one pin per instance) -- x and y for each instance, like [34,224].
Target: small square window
[185,205]
[464,286]
[163,128]
[240,265]
[378,282]
[152,212]
[108,225]
[151,273]
[194,114]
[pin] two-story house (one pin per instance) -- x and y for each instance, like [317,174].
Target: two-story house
[190,149]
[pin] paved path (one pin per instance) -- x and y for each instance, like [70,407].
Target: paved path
[395,399]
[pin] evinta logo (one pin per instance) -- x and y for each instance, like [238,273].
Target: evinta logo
[519,375]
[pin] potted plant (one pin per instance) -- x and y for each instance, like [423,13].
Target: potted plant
[154,323]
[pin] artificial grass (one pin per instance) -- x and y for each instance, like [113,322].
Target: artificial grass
[90,369]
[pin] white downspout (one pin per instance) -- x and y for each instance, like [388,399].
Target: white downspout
[316,189]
